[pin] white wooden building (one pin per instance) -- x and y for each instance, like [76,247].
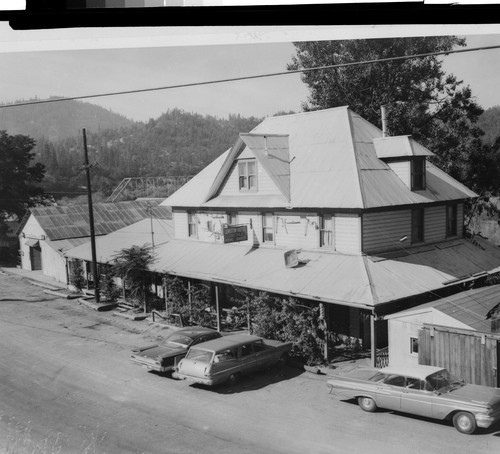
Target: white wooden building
[378,226]
[48,232]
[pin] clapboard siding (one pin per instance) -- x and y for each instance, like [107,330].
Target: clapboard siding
[460,220]
[296,231]
[347,233]
[434,223]
[402,170]
[383,230]
[265,185]
[180,219]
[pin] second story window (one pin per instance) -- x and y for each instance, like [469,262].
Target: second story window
[268,228]
[451,220]
[192,225]
[417,225]
[418,174]
[326,231]
[247,175]
[232,218]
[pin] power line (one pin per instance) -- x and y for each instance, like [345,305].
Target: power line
[257,76]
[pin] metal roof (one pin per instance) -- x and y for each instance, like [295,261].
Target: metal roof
[73,221]
[138,234]
[469,307]
[333,164]
[399,146]
[352,280]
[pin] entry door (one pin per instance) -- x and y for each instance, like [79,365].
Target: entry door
[36,258]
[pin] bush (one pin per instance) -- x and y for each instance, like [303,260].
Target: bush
[198,312]
[76,277]
[286,320]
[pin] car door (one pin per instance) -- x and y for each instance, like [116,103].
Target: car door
[416,399]
[247,358]
[389,392]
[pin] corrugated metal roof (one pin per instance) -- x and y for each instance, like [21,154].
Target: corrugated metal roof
[333,164]
[469,307]
[398,146]
[73,221]
[272,152]
[353,280]
[64,245]
[137,234]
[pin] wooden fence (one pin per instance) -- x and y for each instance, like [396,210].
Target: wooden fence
[467,354]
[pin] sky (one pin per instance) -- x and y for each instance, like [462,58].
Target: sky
[79,62]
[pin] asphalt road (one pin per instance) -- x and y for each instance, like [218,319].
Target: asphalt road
[66,386]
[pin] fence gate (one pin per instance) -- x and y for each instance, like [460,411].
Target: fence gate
[467,354]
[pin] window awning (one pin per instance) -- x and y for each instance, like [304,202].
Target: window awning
[32,242]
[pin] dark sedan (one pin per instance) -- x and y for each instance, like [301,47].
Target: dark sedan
[165,356]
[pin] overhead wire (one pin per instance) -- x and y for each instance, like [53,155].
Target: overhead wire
[256,76]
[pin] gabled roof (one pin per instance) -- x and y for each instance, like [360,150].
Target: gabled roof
[470,307]
[73,221]
[333,163]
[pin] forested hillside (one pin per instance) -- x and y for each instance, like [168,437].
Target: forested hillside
[177,143]
[489,122]
[58,120]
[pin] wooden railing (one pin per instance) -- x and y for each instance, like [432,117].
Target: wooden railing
[382,358]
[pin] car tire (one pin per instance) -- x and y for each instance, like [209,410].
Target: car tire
[233,379]
[367,404]
[464,422]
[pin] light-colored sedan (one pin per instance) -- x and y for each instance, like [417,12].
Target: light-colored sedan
[421,390]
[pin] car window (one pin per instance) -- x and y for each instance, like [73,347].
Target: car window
[258,347]
[415,383]
[199,340]
[246,350]
[225,355]
[199,355]
[377,377]
[179,339]
[395,380]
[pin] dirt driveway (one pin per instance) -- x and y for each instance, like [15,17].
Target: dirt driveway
[67,386]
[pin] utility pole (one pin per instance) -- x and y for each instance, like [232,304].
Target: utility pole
[149,209]
[91,219]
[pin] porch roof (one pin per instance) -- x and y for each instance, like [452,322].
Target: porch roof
[352,280]
[137,234]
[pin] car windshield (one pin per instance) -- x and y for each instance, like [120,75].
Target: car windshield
[179,339]
[203,356]
[443,381]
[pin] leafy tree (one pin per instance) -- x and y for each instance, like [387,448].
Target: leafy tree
[20,178]
[286,320]
[133,266]
[420,98]
[178,297]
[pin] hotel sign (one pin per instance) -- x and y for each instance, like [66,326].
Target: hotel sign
[235,233]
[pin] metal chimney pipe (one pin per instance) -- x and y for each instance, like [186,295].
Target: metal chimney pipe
[384,121]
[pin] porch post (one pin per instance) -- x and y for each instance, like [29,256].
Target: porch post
[373,340]
[190,301]
[217,306]
[326,322]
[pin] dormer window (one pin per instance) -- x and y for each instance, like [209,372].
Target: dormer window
[418,173]
[247,175]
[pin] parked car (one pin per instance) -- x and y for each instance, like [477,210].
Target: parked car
[164,357]
[422,390]
[226,359]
